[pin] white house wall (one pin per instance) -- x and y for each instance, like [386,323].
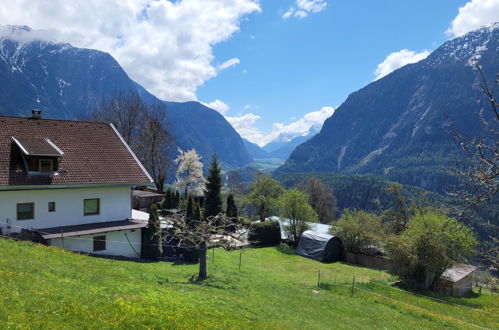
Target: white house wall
[116,243]
[115,204]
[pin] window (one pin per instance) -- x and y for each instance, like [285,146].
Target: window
[51,206]
[25,211]
[91,206]
[46,165]
[99,243]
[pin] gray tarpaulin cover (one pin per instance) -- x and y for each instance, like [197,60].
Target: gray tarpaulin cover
[322,247]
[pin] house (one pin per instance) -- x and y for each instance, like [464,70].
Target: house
[457,281]
[70,183]
[142,199]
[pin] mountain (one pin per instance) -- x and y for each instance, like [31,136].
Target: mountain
[285,143]
[254,150]
[66,82]
[400,126]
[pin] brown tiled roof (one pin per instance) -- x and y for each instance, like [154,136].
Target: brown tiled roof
[90,228]
[93,153]
[37,146]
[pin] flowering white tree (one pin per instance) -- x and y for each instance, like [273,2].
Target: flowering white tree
[189,173]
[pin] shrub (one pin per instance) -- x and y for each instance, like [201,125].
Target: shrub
[359,231]
[265,233]
[431,243]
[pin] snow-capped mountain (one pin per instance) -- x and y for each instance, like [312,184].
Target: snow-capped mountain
[66,82]
[282,146]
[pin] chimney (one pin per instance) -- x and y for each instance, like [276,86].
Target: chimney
[36,114]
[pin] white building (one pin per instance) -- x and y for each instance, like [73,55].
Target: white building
[71,183]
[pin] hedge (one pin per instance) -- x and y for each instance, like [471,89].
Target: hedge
[265,233]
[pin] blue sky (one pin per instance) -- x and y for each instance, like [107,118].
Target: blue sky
[269,66]
[289,67]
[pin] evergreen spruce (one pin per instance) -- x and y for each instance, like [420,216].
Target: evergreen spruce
[151,236]
[167,204]
[231,210]
[189,212]
[213,194]
[176,200]
[197,212]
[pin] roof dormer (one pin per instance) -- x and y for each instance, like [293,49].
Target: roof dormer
[40,155]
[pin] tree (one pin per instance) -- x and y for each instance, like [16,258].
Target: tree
[189,172]
[294,207]
[264,195]
[203,234]
[398,218]
[358,230]
[143,126]
[154,142]
[213,191]
[168,201]
[151,236]
[480,172]
[231,210]
[235,183]
[124,110]
[321,199]
[431,244]
[176,200]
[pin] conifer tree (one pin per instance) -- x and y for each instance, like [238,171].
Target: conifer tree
[197,212]
[189,211]
[213,192]
[231,210]
[151,236]
[167,204]
[176,200]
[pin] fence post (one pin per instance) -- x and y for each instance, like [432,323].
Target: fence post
[213,258]
[319,279]
[353,285]
[240,259]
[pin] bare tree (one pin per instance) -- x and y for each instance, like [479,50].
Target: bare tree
[480,173]
[215,231]
[125,111]
[235,183]
[154,141]
[321,199]
[143,126]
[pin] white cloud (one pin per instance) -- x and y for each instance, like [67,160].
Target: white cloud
[218,105]
[398,59]
[304,7]
[245,126]
[228,64]
[166,46]
[474,14]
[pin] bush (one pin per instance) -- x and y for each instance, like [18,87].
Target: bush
[432,243]
[359,231]
[265,233]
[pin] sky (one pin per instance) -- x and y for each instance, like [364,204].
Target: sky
[269,66]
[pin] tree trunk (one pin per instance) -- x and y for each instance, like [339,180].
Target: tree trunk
[202,263]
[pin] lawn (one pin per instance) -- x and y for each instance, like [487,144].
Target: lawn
[43,287]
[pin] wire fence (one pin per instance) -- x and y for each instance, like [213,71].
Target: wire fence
[366,283]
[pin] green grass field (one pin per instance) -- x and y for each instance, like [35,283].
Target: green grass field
[42,287]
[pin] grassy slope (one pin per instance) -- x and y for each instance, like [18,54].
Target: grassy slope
[46,287]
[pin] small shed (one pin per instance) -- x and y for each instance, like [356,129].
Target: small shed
[457,281]
[319,246]
[142,200]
